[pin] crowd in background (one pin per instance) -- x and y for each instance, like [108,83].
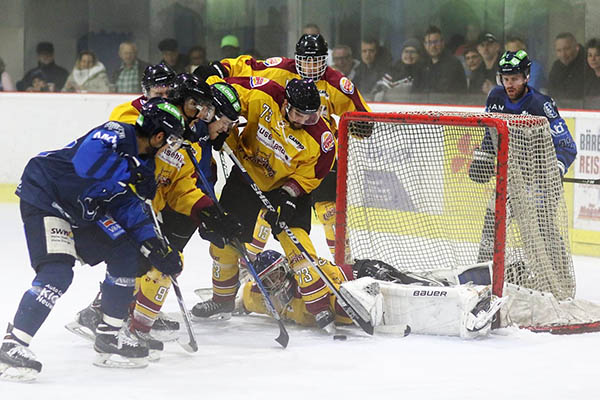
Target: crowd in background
[426,65]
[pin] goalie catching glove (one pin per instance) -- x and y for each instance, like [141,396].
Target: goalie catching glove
[287,209]
[162,256]
[482,167]
[215,226]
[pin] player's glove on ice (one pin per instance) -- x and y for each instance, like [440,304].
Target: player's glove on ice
[482,167]
[215,226]
[142,177]
[287,210]
[166,259]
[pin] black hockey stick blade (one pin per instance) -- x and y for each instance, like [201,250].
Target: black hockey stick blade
[283,338]
[192,345]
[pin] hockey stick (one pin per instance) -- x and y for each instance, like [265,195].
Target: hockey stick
[582,180]
[283,337]
[192,345]
[362,317]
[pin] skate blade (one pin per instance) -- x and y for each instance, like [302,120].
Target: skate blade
[153,356]
[17,374]
[108,360]
[204,293]
[164,335]
[80,330]
[217,317]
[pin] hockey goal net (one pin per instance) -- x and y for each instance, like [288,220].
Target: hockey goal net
[405,196]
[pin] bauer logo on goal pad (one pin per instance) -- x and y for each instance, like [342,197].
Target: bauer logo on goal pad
[346,85]
[327,142]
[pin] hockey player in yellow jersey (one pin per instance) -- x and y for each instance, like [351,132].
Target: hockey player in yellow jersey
[287,149]
[338,95]
[283,287]
[156,82]
[180,199]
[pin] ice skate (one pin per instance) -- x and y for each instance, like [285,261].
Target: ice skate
[86,322]
[17,362]
[213,310]
[119,348]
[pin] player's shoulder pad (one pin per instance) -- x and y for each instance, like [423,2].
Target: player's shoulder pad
[321,133]
[112,132]
[544,105]
[339,81]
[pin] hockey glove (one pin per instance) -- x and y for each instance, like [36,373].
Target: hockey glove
[217,227]
[217,143]
[166,259]
[142,178]
[287,210]
[482,167]
[214,68]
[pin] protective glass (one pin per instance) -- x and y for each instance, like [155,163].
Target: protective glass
[311,67]
[206,111]
[229,124]
[302,118]
[174,142]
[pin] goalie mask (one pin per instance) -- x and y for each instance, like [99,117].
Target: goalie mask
[158,115]
[276,276]
[160,76]
[311,56]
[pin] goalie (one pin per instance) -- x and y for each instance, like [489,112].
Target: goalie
[393,298]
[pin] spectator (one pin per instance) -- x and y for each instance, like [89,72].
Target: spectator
[311,29]
[473,62]
[442,72]
[54,75]
[592,76]
[344,62]
[89,75]
[196,57]
[6,83]
[129,75]
[404,72]
[39,82]
[485,76]
[230,46]
[566,76]
[171,56]
[368,71]
[536,78]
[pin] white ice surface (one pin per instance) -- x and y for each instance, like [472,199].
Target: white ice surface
[239,359]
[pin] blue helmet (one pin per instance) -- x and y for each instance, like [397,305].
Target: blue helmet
[273,270]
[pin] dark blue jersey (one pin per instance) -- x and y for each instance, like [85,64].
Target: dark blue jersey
[84,181]
[534,103]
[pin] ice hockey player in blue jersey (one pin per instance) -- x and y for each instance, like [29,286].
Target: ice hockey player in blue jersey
[79,202]
[515,96]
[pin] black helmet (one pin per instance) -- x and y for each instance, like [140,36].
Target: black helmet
[226,100]
[311,56]
[513,62]
[157,75]
[187,85]
[303,95]
[158,115]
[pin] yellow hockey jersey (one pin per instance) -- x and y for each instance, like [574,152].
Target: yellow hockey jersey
[296,310]
[175,173]
[338,93]
[272,151]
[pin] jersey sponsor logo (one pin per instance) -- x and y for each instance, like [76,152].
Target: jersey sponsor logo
[173,158]
[549,110]
[557,128]
[105,137]
[48,295]
[495,107]
[327,142]
[59,236]
[430,293]
[346,85]
[271,62]
[257,81]
[112,228]
[115,127]
[295,142]
[266,138]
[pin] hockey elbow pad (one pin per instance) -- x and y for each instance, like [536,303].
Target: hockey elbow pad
[482,167]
